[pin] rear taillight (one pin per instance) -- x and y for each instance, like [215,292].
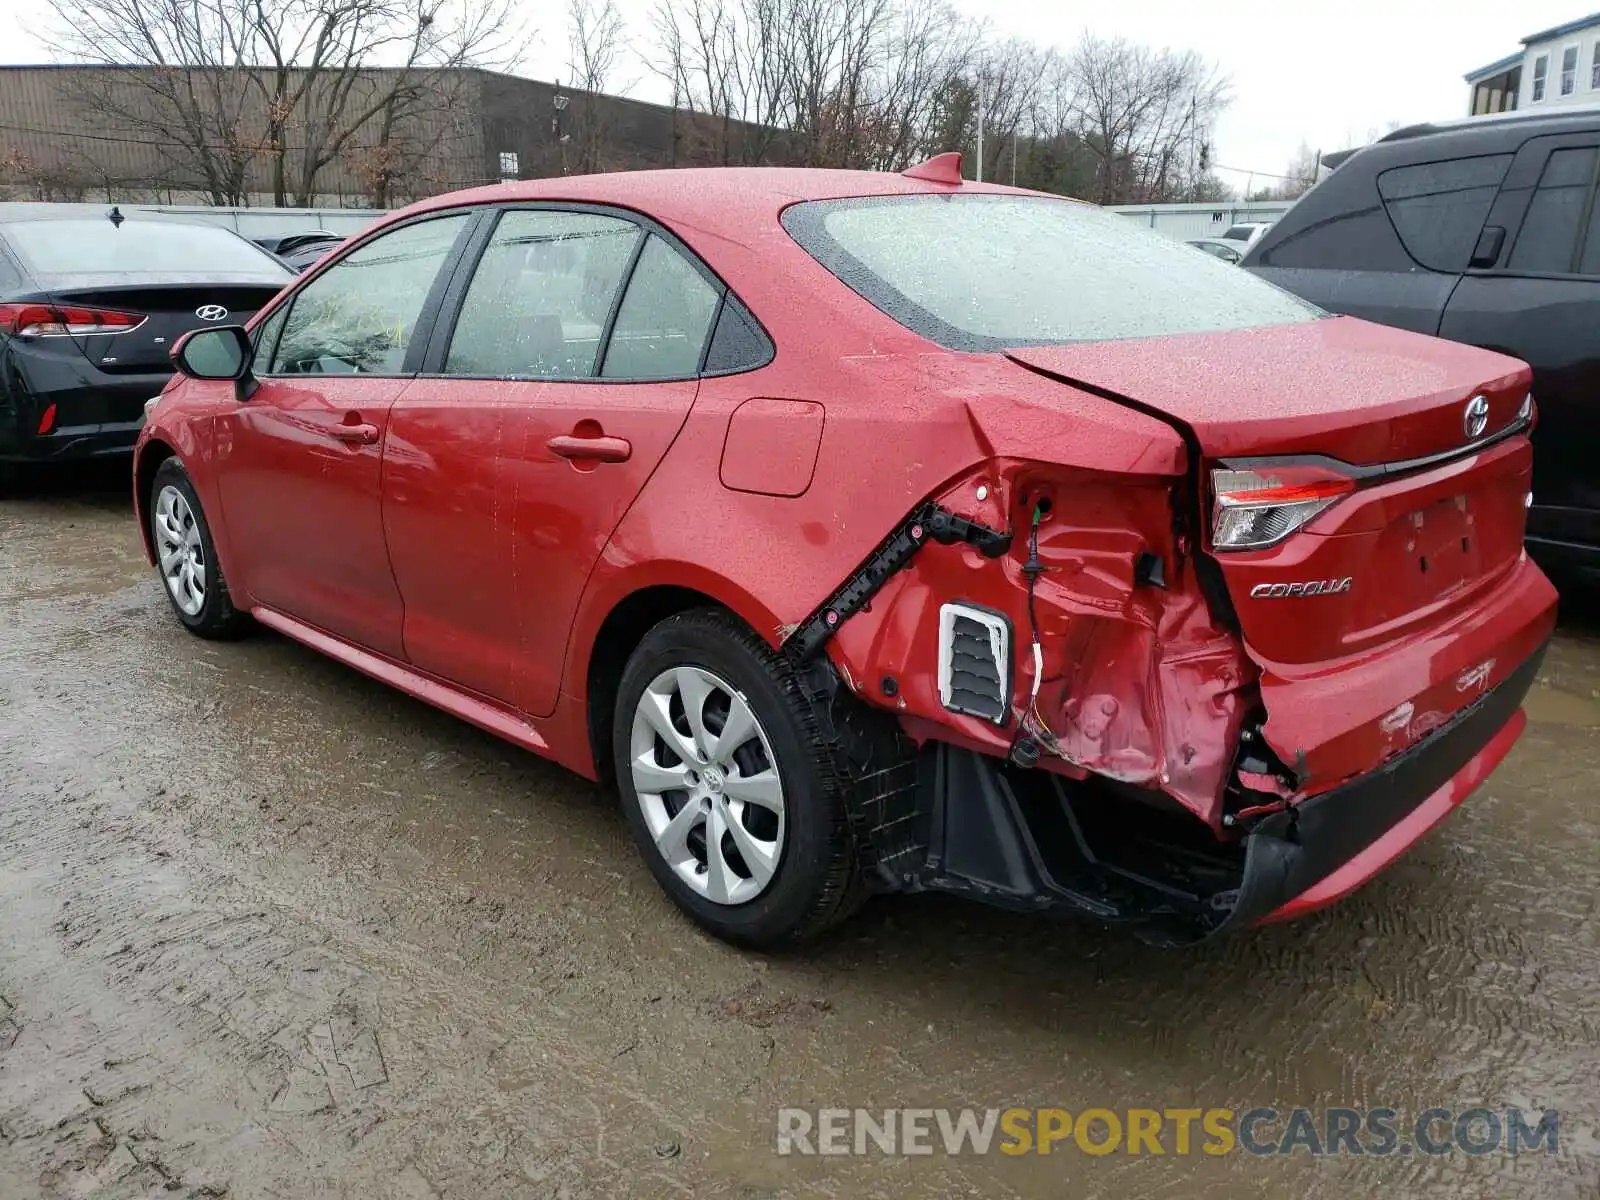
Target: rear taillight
[64,320]
[1259,508]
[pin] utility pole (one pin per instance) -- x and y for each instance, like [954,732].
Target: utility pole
[1013,158]
[980,128]
[560,104]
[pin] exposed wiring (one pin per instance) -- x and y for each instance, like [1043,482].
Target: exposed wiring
[1033,722]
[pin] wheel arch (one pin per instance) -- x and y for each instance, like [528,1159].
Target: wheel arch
[615,626]
[152,454]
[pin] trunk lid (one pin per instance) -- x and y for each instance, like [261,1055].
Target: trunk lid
[1365,394]
[1366,619]
[169,308]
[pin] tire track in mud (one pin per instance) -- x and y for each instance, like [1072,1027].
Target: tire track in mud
[176,1006]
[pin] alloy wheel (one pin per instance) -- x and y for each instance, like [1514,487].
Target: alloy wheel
[181,554]
[708,784]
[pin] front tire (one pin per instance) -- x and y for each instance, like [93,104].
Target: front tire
[731,793]
[186,558]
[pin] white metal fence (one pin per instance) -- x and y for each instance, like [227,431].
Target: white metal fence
[253,222]
[1183,221]
[1188,221]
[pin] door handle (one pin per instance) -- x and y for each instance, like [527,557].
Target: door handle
[591,449]
[361,433]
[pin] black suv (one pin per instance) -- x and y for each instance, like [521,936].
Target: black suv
[1483,231]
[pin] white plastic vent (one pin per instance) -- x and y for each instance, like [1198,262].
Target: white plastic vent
[974,662]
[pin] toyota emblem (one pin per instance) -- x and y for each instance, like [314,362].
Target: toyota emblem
[211,312]
[1475,417]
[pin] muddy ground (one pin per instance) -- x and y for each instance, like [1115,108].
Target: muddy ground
[269,929]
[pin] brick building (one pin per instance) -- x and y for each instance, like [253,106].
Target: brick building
[109,133]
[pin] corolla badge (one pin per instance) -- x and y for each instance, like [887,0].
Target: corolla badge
[211,312]
[1304,587]
[1475,417]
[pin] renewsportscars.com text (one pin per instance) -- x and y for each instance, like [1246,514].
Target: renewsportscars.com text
[1175,1131]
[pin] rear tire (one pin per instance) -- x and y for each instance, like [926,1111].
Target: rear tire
[784,865]
[186,558]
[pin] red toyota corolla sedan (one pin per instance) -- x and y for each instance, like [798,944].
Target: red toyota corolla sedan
[881,533]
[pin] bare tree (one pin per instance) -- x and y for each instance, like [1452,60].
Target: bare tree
[1143,115]
[930,49]
[842,83]
[727,59]
[1300,176]
[595,31]
[192,107]
[295,84]
[322,92]
[1012,75]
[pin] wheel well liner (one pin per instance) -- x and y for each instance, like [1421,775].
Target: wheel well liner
[622,630]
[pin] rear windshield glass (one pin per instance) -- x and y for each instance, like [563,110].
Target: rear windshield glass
[987,272]
[97,247]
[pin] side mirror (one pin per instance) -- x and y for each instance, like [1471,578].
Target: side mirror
[1487,252]
[222,352]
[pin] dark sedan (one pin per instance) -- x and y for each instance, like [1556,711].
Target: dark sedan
[90,306]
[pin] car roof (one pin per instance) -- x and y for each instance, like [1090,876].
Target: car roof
[1491,133]
[711,198]
[1570,117]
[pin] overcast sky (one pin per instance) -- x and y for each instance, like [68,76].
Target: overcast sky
[1325,73]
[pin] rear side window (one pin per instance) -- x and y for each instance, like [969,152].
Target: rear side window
[539,300]
[1438,209]
[1548,240]
[738,343]
[987,272]
[96,247]
[1346,239]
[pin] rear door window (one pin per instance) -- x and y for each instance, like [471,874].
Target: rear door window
[1549,240]
[1438,209]
[664,320]
[542,293]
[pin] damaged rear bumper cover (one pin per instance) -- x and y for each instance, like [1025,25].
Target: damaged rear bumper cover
[1298,860]
[1025,840]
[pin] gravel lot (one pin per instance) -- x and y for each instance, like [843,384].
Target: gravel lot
[269,929]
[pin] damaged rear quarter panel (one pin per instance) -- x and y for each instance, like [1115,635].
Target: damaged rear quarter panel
[1140,685]
[902,421]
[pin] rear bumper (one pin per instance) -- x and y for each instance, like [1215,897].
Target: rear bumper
[1299,860]
[90,413]
[74,443]
[1034,842]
